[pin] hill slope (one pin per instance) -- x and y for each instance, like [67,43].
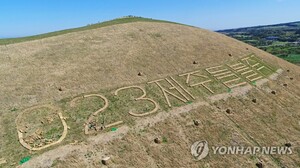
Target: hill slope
[51,87]
[282,40]
[128,19]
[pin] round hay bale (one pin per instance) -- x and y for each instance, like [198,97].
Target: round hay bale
[285,85]
[140,74]
[230,55]
[288,144]
[196,122]
[228,111]
[157,140]
[273,92]
[195,62]
[291,78]
[105,160]
[60,89]
[259,165]
[254,100]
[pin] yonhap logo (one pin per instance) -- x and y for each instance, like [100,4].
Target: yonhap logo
[200,149]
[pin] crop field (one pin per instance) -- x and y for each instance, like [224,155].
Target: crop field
[281,40]
[294,58]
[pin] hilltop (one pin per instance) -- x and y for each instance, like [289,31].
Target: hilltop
[141,93]
[127,19]
[282,40]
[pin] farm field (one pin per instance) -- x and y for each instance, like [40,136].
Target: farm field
[294,58]
[282,40]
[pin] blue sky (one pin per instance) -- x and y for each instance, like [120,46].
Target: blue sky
[29,17]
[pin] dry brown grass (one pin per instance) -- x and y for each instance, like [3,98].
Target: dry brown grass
[31,73]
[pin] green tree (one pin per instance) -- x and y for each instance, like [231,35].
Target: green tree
[298,31]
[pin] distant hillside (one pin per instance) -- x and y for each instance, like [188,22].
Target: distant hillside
[282,40]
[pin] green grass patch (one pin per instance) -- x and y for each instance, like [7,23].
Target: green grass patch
[293,58]
[164,140]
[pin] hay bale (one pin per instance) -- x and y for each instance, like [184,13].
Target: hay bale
[228,111]
[230,55]
[288,70]
[291,78]
[105,160]
[285,85]
[288,144]
[254,100]
[157,140]
[273,92]
[60,89]
[195,62]
[259,165]
[140,74]
[196,122]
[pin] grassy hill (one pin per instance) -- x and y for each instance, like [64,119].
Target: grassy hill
[142,92]
[282,40]
[128,19]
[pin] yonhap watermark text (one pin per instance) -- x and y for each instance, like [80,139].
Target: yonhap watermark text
[240,150]
[201,149]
